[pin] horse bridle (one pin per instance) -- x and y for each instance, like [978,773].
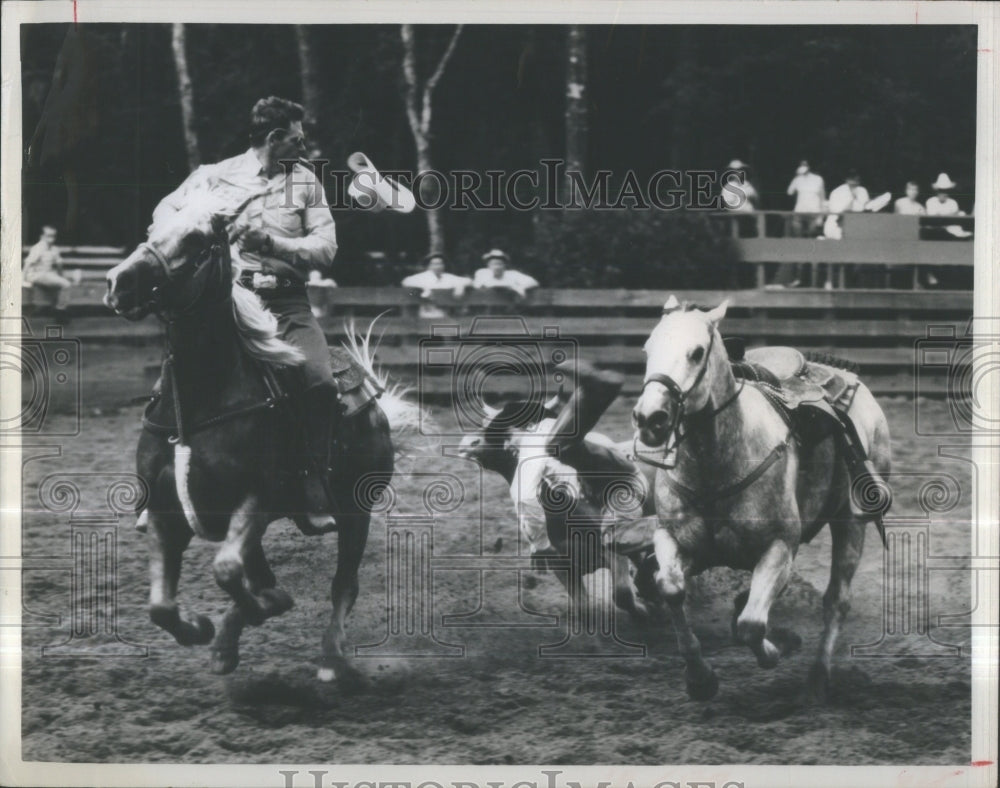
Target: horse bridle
[679,397]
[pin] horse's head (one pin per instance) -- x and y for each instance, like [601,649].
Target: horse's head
[683,355]
[492,445]
[168,272]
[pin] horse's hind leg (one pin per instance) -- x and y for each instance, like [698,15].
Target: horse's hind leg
[769,579]
[226,646]
[344,588]
[848,542]
[169,536]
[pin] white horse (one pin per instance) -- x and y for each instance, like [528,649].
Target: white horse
[739,484]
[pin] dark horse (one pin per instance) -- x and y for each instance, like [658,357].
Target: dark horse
[225,470]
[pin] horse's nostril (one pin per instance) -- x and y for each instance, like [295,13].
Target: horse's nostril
[657,420]
[637,418]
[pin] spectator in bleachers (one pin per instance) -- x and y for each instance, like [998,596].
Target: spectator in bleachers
[435,277]
[849,197]
[496,274]
[43,271]
[909,205]
[942,203]
[738,193]
[809,191]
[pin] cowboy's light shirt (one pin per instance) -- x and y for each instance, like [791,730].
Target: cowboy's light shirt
[291,207]
[536,466]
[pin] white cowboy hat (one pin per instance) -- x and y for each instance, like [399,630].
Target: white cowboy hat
[496,254]
[943,182]
[370,189]
[878,203]
[737,164]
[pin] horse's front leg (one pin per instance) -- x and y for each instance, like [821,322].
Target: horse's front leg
[169,536]
[671,581]
[226,646]
[770,577]
[334,663]
[246,529]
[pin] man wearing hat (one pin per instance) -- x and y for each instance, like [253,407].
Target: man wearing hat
[942,204]
[496,274]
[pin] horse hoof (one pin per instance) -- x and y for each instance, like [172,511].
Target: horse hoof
[787,641]
[277,601]
[704,688]
[225,661]
[199,632]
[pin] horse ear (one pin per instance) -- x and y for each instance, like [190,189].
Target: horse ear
[671,305]
[716,315]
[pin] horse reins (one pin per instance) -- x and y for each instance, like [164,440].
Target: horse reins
[679,397]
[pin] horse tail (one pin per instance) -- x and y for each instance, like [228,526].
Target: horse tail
[405,416]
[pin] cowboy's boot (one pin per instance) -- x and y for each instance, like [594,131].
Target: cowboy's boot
[870,493]
[321,417]
[595,390]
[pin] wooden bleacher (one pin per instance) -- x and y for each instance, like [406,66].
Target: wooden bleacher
[877,328]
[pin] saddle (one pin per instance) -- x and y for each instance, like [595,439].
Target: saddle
[355,389]
[809,391]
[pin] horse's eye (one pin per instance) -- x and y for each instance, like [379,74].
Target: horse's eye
[696,354]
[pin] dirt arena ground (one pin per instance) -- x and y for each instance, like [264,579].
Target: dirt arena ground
[501,702]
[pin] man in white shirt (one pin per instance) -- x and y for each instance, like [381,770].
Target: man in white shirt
[434,277]
[43,270]
[849,197]
[498,275]
[809,191]
[909,205]
[942,204]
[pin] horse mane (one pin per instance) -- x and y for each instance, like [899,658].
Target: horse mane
[257,328]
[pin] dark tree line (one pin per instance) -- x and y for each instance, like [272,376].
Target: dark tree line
[896,103]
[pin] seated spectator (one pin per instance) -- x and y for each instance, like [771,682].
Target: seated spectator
[942,204]
[434,277]
[909,205]
[498,275]
[43,271]
[317,280]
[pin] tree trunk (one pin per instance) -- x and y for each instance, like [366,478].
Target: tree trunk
[576,103]
[186,96]
[419,114]
[310,88]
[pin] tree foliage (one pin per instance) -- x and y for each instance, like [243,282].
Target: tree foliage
[894,102]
